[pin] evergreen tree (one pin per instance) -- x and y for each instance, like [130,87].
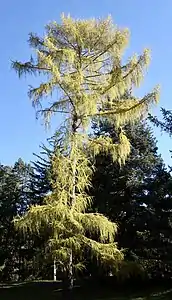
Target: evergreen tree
[138,197]
[142,162]
[41,176]
[154,231]
[166,123]
[82,60]
[14,199]
[41,183]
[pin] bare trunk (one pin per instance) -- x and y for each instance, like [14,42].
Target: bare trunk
[70,266]
[70,274]
[70,278]
[55,270]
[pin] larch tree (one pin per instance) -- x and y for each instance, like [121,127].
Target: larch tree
[81,61]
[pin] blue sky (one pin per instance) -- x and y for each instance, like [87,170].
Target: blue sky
[150,24]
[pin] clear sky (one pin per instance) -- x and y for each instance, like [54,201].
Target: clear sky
[150,23]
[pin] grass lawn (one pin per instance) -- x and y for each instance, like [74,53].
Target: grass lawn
[50,291]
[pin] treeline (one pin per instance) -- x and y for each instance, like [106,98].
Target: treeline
[138,196]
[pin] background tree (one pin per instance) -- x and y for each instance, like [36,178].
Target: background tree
[14,200]
[82,60]
[142,163]
[42,167]
[154,233]
[166,123]
[138,197]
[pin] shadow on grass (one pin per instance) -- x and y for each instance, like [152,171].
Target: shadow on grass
[31,291]
[48,290]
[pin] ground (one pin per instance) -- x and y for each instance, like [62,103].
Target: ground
[51,291]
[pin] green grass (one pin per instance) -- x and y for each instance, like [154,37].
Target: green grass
[50,291]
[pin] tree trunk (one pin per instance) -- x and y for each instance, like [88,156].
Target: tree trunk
[70,272]
[55,270]
[70,278]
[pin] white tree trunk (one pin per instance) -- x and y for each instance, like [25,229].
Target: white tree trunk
[55,270]
[70,271]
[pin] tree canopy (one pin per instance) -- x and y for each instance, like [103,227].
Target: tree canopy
[81,61]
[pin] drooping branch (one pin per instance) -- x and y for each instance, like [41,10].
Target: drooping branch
[28,67]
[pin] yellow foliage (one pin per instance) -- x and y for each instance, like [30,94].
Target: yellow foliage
[82,63]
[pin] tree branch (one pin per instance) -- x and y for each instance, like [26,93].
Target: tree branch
[104,113]
[124,77]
